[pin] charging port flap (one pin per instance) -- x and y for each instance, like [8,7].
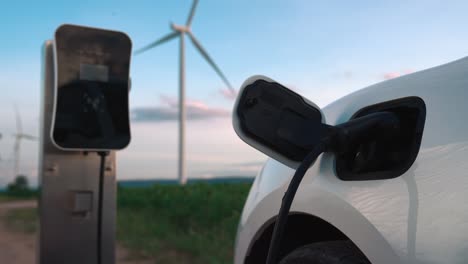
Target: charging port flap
[385,158]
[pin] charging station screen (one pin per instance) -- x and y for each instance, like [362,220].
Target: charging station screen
[92,69]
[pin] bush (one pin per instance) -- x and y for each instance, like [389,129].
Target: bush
[20,188]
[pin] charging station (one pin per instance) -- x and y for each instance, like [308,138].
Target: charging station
[84,111]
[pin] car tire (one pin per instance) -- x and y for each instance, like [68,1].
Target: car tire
[330,252]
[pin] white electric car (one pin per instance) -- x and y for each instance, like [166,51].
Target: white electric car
[420,216]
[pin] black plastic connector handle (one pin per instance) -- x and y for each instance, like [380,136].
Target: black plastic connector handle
[369,127]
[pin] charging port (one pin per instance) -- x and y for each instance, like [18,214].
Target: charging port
[385,157]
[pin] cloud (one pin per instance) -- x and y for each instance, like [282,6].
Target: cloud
[348,75]
[229,94]
[169,111]
[391,75]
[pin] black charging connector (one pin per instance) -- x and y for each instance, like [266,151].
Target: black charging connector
[336,139]
[379,125]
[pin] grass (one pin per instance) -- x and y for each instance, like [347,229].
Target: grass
[171,223]
[6,196]
[22,220]
[181,224]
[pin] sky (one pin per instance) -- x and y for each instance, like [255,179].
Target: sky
[322,49]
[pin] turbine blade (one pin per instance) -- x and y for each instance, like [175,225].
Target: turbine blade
[158,42]
[209,60]
[192,13]
[28,137]
[19,125]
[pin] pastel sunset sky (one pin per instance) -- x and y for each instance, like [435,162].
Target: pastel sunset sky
[322,49]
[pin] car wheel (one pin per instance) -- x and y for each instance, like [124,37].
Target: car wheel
[330,252]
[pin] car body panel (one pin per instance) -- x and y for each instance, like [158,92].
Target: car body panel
[419,217]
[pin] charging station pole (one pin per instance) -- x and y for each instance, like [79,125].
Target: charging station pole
[68,206]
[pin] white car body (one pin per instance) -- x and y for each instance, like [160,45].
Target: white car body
[419,217]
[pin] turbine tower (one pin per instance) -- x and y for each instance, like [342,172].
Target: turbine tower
[0,139]
[181,31]
[19,135]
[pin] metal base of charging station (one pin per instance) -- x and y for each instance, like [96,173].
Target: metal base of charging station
[68,206]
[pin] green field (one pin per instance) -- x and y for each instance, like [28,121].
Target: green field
[22,220]
[26,195]
[171,223]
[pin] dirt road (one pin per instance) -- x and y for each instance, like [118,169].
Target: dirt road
[16,248]
[19,248]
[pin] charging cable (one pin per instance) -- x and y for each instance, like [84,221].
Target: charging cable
[337,139]
[288,197]
[102,170]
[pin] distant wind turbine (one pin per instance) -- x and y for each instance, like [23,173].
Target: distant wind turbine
[0,139]
[181,31]
[19,135]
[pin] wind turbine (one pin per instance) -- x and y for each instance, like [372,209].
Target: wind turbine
[19,135]
[181,31]
[0,139]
